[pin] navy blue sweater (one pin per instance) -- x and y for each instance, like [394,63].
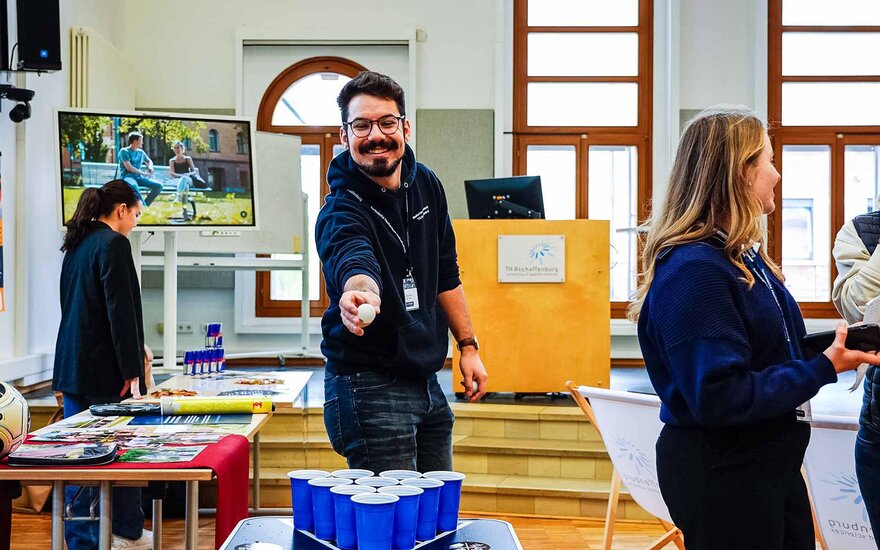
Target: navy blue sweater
[353,239]
[715,350]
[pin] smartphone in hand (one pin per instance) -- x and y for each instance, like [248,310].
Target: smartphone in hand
[858,337]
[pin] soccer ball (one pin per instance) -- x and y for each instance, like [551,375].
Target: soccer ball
[15,419]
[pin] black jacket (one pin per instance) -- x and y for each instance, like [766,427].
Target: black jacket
[353,239]
[101,338]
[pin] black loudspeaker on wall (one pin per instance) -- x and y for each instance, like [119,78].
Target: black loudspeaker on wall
[39,35]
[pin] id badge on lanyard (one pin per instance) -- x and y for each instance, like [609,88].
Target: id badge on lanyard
[410,292]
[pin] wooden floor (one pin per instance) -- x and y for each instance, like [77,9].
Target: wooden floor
[533,533]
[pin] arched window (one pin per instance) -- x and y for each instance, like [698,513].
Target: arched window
[213,141]
[302,101]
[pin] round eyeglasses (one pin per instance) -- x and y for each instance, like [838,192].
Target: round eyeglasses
[388,124]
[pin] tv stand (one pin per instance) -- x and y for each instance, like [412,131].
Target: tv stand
[171,261]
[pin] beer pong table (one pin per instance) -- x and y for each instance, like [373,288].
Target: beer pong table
[472,534]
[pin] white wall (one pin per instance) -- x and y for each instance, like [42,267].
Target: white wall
[31,239]
[200,36]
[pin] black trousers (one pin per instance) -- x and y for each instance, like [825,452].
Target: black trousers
[737,487]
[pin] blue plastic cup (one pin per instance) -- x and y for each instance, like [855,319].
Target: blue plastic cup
[400,475]
[429,501]
[374,518]
[450,498]
[322,505]
[301,495]
[406,515]
[343,507]
[377,481]
[352,474]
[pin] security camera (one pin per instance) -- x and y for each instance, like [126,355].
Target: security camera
[20,112]
[16,94]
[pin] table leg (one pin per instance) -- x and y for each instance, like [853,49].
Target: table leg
[9,491]
[157,524]
[105,529]
[256,487]
[191,527]
[58,515]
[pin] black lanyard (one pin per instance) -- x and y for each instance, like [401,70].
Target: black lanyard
[404,245]
[761,274]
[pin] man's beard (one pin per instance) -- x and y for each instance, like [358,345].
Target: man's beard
[379,168]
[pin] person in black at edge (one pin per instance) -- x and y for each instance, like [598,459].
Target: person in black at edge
[385,239]
[99,354]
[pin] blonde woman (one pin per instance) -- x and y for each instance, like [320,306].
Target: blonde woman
[720,336]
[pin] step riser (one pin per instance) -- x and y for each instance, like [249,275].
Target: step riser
[536,466]
[467,462]
[526,429]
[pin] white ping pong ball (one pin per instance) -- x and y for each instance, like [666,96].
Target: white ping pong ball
[366,313]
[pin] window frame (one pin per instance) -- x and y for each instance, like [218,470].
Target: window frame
[835,137]
[582,137]
[324,136]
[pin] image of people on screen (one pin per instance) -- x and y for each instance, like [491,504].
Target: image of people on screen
[136,168]
[192,171]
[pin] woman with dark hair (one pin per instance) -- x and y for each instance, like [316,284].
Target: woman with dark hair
[99,352]
[721,335]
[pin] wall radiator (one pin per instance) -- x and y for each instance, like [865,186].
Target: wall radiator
[100,76]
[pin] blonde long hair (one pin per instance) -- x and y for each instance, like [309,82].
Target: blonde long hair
[707,191]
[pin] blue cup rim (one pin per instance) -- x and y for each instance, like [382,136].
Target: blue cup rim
[423,482]
[352,489]
[445,475]
[348,472]
[401,490]
[307,474]
[404,474]
[329,481]
[374,498]
[384,483]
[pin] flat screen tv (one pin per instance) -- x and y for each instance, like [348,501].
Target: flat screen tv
[210,186]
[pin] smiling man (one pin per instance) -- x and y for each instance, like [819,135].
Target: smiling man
[385,239]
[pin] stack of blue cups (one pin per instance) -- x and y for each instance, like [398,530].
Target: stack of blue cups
[365,512]
[301,495]
[426,527]
[374,518]
[450,498]
[322,504]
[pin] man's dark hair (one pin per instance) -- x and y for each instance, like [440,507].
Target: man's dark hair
[370,83]
[132,136]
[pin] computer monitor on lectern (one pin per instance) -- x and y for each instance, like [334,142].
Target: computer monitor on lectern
[502,198]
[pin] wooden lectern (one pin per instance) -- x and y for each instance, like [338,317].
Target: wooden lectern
[535,336]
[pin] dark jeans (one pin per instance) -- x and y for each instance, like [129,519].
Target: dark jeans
[868,472]
[737,487]
[379,421]
[128,517]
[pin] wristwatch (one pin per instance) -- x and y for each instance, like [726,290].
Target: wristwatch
[468,342]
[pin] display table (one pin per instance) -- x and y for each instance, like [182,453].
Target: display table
[228,459]
[472,534]
[295,388]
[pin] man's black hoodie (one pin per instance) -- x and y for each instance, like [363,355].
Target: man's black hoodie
[353,239]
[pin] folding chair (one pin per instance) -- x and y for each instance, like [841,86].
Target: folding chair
[629,424]
[830,464]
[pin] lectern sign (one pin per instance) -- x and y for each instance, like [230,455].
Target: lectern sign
[531,258]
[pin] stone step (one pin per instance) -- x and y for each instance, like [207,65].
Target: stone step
[541,457]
